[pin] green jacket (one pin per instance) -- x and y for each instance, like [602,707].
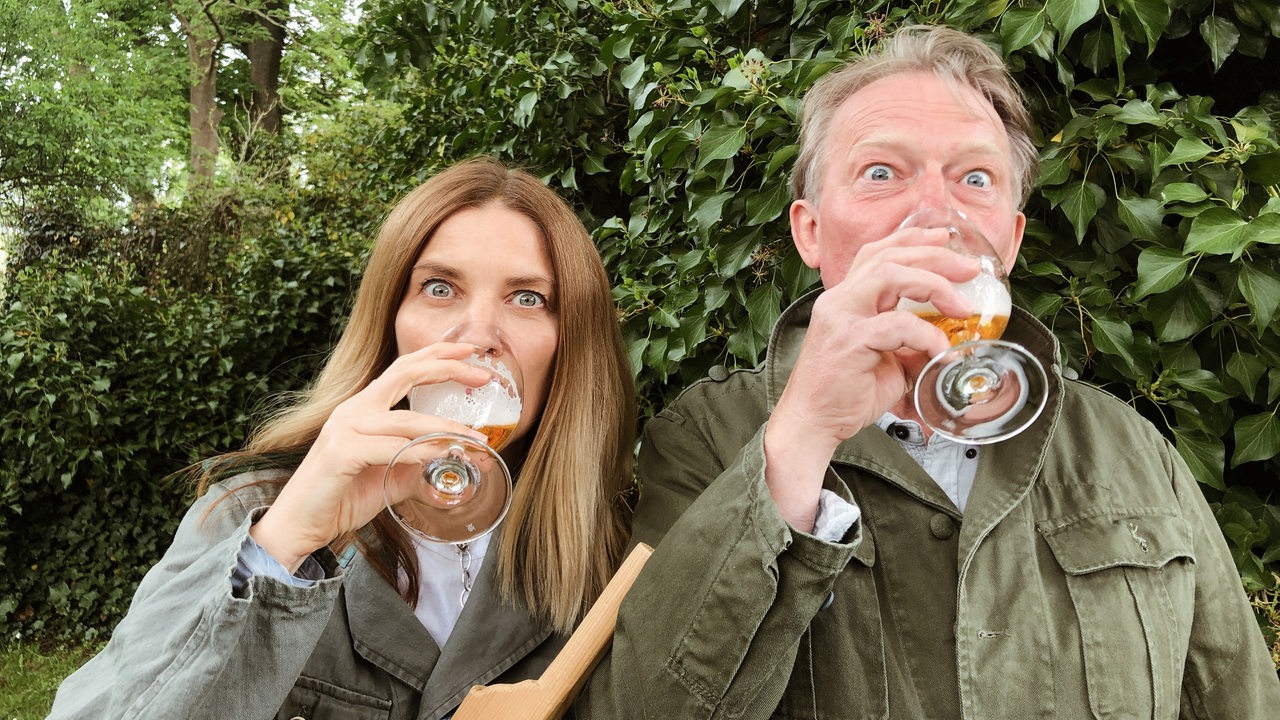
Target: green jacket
[348,648]
[1086,578]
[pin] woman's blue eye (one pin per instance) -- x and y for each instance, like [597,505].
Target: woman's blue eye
[977,178]
[529,298]
[878,172]
[437,289]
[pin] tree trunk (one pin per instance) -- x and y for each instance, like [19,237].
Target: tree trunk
[204,113]
[264,53]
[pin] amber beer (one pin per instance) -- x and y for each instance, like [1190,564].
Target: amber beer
[979,326]
[497,435]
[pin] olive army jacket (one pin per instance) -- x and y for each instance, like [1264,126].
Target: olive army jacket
[1085,579]
[348,648]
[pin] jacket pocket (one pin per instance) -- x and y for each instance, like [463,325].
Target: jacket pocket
[312,699]
[1132,587]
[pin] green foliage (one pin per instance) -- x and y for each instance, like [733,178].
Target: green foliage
[91,101]
[108,386]
[1151,248]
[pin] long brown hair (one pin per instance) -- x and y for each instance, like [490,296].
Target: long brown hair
[568,523]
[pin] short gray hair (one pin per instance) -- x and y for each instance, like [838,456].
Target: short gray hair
[947,53]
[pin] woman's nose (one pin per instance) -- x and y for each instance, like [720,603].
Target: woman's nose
[481,332]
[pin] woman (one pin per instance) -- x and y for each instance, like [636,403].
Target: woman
[290,592]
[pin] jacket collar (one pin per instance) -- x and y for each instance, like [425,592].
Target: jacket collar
[490,636]
[1006,470]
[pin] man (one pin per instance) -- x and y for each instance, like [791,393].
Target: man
[821,554]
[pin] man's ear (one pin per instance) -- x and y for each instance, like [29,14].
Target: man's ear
[804,231]
[1019,226]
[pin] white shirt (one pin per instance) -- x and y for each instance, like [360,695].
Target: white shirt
[441,582]
[952,466]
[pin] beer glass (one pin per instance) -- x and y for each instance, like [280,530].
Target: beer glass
[983,389]
[450,488]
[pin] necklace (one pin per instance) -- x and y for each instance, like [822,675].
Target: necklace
[462,553]
[464,560]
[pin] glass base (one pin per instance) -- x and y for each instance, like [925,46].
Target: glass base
[447,488]
[981,392]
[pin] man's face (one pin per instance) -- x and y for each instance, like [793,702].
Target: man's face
[905,142]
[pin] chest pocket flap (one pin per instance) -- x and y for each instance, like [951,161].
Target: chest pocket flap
[1131,584]
[1090,544]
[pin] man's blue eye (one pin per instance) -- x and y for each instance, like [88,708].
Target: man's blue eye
[878,172]
[977,178]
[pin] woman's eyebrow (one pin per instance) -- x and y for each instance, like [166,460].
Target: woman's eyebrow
[432,267]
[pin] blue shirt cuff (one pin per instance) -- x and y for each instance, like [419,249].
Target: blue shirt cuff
[253,560]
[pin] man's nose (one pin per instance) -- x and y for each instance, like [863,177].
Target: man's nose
[932,190]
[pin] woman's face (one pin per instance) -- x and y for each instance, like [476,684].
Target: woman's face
[487,264]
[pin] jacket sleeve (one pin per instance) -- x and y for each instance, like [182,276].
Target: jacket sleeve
[192,647]
[712,625]
[1228,672]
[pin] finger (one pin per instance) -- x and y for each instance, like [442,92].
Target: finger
[408,425]
[409,371]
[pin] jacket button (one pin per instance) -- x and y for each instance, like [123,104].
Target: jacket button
[719,373]
[941,526]
[831,597]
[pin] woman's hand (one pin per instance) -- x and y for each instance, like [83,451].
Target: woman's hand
[337,488]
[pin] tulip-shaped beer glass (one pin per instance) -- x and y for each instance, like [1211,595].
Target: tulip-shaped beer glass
[450,488]
[983,389]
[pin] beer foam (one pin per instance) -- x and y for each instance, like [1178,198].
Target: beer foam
[497,402]
[989,296]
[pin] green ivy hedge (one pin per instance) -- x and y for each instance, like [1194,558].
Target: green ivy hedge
[1152,237]
[108,386]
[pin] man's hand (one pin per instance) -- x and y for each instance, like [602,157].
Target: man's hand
[858,359]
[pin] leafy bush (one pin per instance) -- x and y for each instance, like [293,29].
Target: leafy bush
[108,386]
[1151,247]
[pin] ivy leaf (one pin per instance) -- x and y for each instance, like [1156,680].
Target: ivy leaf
[631,74]
[768,203]
[1020,27]
[1067,15]
[1261,290]
[1257,438]
[1203,383]
[1143,216]
[708,210]
[764,305]
[1263,169]
[1183,192]
[1159,269]
[727,8]
[524,111]
[1186,150]
[720,143]
[664,318]
[1178,316]
[1203,454]
[1114,337]
[1220,231]
[1152,15]
[1080,201]
[1140,112]
[1246,369]
[1222,37]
